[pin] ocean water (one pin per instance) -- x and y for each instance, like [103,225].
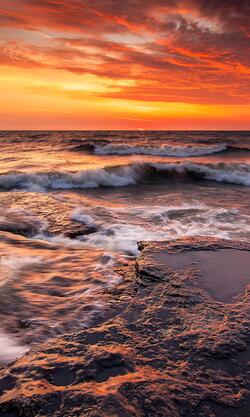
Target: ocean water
[74,205]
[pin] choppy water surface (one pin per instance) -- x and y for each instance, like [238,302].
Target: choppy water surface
[74,205]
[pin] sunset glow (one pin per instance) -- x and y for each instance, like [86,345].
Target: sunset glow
[176,64]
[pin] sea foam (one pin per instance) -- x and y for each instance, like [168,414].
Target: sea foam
[124,175]
[163,150]
[10,349]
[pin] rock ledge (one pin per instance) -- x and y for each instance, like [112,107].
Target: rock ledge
[170,349]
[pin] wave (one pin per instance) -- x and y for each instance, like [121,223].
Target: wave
[120,231]
[20,221]
[172,223]
[232,173]
[131,174]
[12,268]
[163,150]
[79,216]
[90,178]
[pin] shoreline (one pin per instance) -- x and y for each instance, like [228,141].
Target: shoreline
[166,347]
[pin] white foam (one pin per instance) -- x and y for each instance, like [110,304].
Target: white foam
[163,150]
[120,237]
[12,267]
[89,178]
[79,215]
[234,173]
[10,349]
[119,176]
[163,223]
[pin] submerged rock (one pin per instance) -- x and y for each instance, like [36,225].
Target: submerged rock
[171,349]
[31,215]
[70,229]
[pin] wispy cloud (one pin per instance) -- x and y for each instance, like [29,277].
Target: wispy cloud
[164,51]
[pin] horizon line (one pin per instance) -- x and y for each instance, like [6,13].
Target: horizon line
[124,130]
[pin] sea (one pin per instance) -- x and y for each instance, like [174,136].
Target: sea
[74,205]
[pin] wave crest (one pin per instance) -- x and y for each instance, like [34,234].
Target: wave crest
[163,150]
[131,174]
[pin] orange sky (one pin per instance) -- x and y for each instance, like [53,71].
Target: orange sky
[109,64]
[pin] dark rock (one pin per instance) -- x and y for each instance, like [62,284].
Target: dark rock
[171,350]
[41,215]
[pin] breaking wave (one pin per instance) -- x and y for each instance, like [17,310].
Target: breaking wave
[131,174]
[121,230]
[163,150]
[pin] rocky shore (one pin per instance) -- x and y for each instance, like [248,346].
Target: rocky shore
[175,342]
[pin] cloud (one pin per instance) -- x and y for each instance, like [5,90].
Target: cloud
[176,50]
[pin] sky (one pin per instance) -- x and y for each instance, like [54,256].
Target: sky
[125,64]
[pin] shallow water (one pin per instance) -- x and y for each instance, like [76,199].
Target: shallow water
[123,187]
[224,273]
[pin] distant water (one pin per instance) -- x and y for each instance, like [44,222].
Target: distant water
[123,187]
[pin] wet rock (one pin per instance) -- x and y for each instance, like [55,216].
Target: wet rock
[23,324]
[172,349]
[70,229]
[40,215]
[20,222]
